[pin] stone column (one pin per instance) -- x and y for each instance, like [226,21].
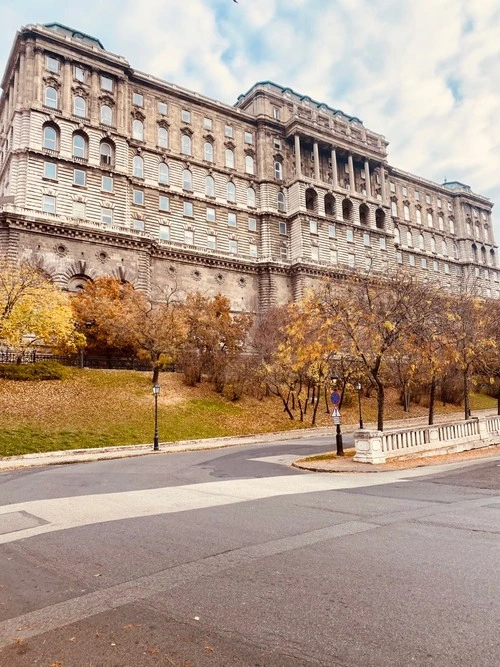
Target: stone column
[316,161]
[66,101]
[27,81]
[368,184]
[121,105]
[37,82]
[352,182]
[298,169]
[22,82]
[382,183]
[335,176]
[94,110]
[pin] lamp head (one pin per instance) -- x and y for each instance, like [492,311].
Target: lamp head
[156,389]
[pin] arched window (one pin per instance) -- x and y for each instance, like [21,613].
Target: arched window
[208,152]
[474,252]
[329,204]
[433,244]
[79,145]
[452,226]
[455,251]
[51,97]
[394,209]
[50,138]
[138,130]
[364,213]
[187,180]
[406,212]
[210,186]
[397,236]
[444,248]
[430,221]
[379,219]
[418,216]
[186,144]
[441,222]
[163,173]
[409,239]
[79,106]
[106,153]
[162,137]
[229,158]
[347,209]
[311,199]
[106,115]
[249,164]
[251,197]
[278,171]
[493,259]
[138,166]
[281,202]
[421,242]
[231,191]
[483,255]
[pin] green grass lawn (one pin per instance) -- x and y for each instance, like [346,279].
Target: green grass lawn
[107,408]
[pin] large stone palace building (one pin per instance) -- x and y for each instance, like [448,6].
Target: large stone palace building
[105,170]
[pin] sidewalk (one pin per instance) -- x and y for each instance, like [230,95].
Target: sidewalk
[106,453]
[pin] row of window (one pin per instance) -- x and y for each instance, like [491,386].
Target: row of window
[418,217]
[421,243]
[416,194]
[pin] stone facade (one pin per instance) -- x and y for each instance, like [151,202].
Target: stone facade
[105,170]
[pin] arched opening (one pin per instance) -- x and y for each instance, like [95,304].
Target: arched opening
[106,153]
[474,252]
[78,282]
[311,199]
[329,205]
[483,255]
[379,219]
[347,209]
[364,213]
[493,259]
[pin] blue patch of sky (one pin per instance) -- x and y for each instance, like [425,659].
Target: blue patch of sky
[455,86]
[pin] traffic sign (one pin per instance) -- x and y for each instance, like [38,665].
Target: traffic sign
[335,398]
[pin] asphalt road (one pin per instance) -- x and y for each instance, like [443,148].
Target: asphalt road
[231,557]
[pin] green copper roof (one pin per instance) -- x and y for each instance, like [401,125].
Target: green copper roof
[74,34]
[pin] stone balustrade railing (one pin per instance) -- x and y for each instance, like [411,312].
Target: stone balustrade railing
[380,446]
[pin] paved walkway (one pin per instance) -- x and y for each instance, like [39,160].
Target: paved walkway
[103,453]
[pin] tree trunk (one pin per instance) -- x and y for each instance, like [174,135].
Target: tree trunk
[327,405]
[380,405]
[316,406]
[285,407]
[432,400]
[466,395]
[156,372]
[498,402]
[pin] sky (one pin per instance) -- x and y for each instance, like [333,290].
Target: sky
[424,73]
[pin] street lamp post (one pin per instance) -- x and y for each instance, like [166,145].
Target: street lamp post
[156,391]
[338,437]
[358,387]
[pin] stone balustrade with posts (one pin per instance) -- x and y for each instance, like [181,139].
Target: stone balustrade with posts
[381,446]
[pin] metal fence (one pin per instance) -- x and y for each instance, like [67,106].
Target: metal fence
[79,360]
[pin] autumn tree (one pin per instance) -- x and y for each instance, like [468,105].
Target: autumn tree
[33,310]
[215,338]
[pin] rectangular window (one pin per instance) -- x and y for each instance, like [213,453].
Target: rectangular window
[276,113]
[231,219]
[50,170]
[313,226]
[248,138]
[284,252]
[446,268]
[349,235]
[314,253]
[138,224]
[207,124]
[210,214]
[435,266]
[476,272]
[228,131]
[211,242]
[423,263]
[333,257]
[253,250]
[106,83]
[162,108]
[417,195]
[79,177]
[450,207]
[439,203]
[164,233]
[404,190]
[137,99]
[189,236]
[252,224]
[427,199]
[107,184]
[382,243]
[458,270]
[366,239]
[49,204]
[283,229]
[399,257]
[79,73]
[188,209]
[52,64]
[332,231]
[138,197]
[277,144]
[107,215]
[351,261]
[393,187]
[186,116]
[79,210]
[233,246]
[411,259]
[163,203]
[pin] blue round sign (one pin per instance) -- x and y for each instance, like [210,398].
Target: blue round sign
[335,398]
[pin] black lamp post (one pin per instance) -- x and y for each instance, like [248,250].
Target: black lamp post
[156,391]
[338,437]
[358,387]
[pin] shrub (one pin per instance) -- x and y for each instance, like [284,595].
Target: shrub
[41,370]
